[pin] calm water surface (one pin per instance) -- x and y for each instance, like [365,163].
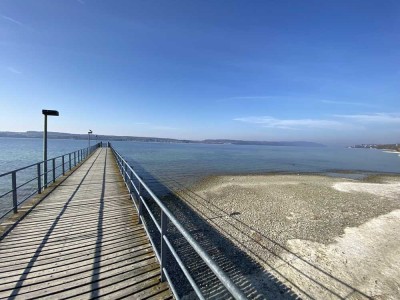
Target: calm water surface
[187,163]
[18,152]
[184,164]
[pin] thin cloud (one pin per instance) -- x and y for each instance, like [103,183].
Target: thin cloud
[13,70]
[12,20]
[347,103]
[385,118]
[16,22]
[294,124]
[81,2]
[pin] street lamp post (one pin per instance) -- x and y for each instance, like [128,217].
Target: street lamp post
[46,113]
[89,133]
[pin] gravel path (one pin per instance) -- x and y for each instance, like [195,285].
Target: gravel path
[324,237]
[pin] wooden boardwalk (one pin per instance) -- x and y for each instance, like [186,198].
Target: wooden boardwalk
[82,241]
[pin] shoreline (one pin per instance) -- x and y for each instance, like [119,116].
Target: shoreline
[302,222]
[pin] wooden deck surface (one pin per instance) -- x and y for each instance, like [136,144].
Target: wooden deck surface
[82,241]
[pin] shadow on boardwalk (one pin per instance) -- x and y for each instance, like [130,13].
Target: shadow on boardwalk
[245,272]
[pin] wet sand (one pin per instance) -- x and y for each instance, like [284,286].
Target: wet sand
[323,237]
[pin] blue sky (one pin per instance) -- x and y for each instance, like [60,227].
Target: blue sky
[326,71]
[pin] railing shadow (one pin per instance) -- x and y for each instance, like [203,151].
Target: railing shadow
[97,259]
[47,236]
[244,271]
[271,247]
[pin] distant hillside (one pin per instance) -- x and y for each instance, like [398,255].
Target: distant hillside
[62,135]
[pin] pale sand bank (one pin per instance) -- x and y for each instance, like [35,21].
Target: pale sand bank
[325,238]
[391,151]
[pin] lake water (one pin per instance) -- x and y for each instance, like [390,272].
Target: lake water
[177,165]
[185,164]
[18,152]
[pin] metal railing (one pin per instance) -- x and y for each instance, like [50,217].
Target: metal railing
[136,192]
[21,192]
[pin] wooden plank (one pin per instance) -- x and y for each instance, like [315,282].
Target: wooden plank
[82,240]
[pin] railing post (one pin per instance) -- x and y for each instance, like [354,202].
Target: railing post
[45,174]
[74,159]
[63,165]
[54,170]
[163,244]
[69,160]
[131,183]
[140,203]
[39,177]
[14,189]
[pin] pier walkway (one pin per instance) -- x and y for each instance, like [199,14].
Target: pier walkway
[82,241]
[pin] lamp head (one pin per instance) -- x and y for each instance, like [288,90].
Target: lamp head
[48,112]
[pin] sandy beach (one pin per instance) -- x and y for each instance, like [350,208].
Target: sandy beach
[323,237]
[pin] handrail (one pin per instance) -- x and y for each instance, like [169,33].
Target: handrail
[73,158]
[128,173]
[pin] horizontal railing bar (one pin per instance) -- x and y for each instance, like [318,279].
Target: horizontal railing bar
[84,153]
[133,200]
[151,239]
[25,183]
[151,214]
[171,285]
[33,193]
[134,186]
[224,279]
[10,210]
[6,194]
[184,269]
[39,162]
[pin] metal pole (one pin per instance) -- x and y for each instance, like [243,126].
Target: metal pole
[63,165]
[74,159]
[14,189]
[39,177]
[45,153]
[131,183]
[69,157]
[54,170]
[140,203]
[163,244]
